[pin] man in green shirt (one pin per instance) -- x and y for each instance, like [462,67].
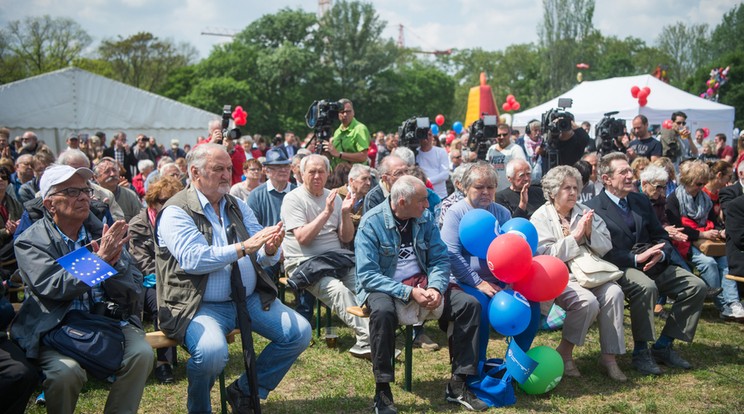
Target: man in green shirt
[350,142]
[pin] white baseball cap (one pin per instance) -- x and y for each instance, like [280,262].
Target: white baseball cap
[57,174]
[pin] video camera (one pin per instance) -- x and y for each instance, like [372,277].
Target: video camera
[320,117]
[558,120]
[607,130]
[412,131]
[234,133]
[481,132]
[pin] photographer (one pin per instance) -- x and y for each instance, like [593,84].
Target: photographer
[565,142]
[572,145]
[675,142]
[351,140]
[502,152]
[237,153]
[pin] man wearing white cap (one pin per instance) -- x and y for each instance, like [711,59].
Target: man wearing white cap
[175,152]
[54,291]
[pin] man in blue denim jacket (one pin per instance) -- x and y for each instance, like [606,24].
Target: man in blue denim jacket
[396,240]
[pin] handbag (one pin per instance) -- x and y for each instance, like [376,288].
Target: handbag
[710,247]
[96,342]
[590,271]
[494,384]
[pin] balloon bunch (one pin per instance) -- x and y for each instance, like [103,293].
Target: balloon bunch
[511,104]
[718,78]
[667,124]
[641,94]
[239,116]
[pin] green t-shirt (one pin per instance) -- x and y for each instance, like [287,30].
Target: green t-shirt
[354,138]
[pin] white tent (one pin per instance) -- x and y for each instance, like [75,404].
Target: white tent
[592,99]
[58,103]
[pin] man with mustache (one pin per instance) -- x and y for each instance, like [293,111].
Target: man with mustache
[107,175]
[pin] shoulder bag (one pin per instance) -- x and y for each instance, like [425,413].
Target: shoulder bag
[591,271]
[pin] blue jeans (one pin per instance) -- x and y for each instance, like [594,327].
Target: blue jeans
[714,270]
[288,332]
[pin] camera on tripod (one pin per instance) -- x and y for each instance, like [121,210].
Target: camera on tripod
[558,120]
[412,131]
[320,117]
[234,133]
[481,132]
[607,130]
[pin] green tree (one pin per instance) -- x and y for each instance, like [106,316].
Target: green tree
[687,48]
[37,45]
[732,93]
[144,61]
[727,35]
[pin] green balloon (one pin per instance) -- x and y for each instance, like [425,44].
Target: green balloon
[548,373]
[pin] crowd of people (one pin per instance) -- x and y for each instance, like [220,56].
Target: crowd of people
[362,221]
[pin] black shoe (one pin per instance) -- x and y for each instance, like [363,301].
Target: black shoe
[461,394]
[670,358]
[711,293]
[644,363]
[384,403]
[240,403]
[164,374]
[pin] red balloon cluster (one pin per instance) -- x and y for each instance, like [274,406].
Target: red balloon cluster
[511,104]
[439,119]
[706,132]
[641,94]
[667,124]
[239,116]
[538,278]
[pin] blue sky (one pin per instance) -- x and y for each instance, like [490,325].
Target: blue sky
[430,25]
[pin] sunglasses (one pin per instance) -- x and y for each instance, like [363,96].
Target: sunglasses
[73,192]
[502,135]
[681,123]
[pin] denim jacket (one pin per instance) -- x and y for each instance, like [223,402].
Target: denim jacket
[377,244]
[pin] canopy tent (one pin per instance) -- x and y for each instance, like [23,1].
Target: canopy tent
[592,99]
[58,103]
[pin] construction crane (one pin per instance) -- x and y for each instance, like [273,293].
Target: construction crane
[218,31]
[402,44]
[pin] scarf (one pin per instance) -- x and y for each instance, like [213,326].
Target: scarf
[531,147]
[695,208]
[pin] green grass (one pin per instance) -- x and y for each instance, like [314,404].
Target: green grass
[327,380]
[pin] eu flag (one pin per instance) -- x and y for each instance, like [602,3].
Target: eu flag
[86,266]
[518,363]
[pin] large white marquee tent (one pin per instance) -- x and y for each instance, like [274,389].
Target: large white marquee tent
[72,100]
[592,99]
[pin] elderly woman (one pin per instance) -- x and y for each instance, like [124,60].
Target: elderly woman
[668,166]
[142,247]
[479,184]
[562,226]
[252,172]
[638,165]
[690,207]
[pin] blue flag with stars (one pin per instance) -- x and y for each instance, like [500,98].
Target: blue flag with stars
[86,266]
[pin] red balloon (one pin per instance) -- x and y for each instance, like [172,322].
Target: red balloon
[647,90]
[706,132]
[667,124]
[506,107]
[546,279]
[634,91]
[509,257]
[510,98]
[642,101]
[439,119]
[642,94]
[516,106]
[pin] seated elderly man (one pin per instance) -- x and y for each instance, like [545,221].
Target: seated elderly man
[53,291]
[107,176]
[520,198]
[317,223]
[399,240]
[202,233]
[391,168]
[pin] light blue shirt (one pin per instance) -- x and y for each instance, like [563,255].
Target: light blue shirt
[178,232]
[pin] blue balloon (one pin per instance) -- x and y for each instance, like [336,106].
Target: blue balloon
[524,228]
[434,129]
[478,228]
[509,313]
[457,127]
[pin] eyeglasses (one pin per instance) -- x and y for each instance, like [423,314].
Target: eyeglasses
[346,111]
[457,157]
[681,123]
[278,167]
[502,135]
[73,192]
[254,169]
[399,173]
[4,177]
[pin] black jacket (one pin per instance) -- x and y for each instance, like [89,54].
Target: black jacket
[334,263]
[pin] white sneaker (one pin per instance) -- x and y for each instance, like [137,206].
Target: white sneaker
[733,311]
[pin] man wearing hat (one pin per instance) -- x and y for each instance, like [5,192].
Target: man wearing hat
[174,152]
[73,141]
[67,226]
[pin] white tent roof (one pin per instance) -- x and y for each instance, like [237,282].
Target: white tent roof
[592,99]
[58,103]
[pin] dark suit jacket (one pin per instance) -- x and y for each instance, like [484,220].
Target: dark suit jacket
[735,235]
[728,194]
[647,225]
[130,163]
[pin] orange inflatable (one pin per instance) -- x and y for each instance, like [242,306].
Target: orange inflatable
[480,100]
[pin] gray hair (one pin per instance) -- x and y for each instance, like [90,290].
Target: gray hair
[69,157]
[512,164]
[164,160]
[556,176]
[306,159]
[197,157]
[405,188]
[479,170]
[215,124]
[605,164]
[344,101]
[357,170]
[459,173]
[165,167]
[145,164]
[384,167]
[24,158]
[406,154]
[534,124]
[654,173]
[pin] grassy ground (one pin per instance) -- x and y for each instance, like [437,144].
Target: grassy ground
[327,380]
